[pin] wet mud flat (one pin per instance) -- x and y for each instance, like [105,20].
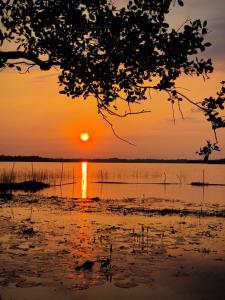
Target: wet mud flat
[152,248]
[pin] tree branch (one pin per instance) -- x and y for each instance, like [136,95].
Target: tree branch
[103,106]
[44,65]
[113,130]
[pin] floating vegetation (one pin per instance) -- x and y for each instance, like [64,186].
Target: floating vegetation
[31,186]
[171,212]
[87,265]
[28,231]
[199,183]
[87,250]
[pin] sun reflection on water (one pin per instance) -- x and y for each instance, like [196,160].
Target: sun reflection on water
[84,180]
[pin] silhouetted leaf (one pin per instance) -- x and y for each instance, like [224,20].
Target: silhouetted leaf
[180,2]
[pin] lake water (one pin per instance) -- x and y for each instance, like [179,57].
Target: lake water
[128,180]
[145,239]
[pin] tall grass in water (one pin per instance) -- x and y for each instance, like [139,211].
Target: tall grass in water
[40,175]
[6,176]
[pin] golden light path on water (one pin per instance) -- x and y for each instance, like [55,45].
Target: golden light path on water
[84,180]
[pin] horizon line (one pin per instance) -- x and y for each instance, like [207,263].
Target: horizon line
[37,158]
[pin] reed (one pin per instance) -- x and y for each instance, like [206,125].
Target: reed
[40,175]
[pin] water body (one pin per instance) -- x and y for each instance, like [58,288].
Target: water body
[146,234]
[122,180]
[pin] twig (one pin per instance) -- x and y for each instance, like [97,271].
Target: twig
[192,102]
[187,20]
[215,135]
[174,121]
[101,105]
[113,130]
[178,103]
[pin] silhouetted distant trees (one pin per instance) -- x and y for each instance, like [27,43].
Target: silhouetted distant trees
[109,52]
[102,160]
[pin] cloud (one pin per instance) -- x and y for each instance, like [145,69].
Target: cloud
[195,110]
[186,118]
[216,27]
[46,76]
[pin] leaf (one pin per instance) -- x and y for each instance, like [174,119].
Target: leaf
[180,2]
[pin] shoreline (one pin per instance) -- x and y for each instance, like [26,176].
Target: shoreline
[9,158]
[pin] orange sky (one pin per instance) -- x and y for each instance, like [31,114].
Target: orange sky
[36,120]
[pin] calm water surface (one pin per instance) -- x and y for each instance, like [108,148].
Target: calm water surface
[128,180]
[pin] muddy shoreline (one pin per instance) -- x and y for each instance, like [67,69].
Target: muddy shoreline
[74,248]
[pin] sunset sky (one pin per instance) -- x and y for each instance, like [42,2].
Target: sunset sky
[36,120]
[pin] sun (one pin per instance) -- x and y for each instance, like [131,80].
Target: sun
[84,136]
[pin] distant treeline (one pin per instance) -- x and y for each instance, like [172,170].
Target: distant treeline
[105,160]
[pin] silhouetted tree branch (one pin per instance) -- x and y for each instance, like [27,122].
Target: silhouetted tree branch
[8,55]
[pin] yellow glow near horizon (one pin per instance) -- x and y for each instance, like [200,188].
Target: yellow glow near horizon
[84,136]
[84,180]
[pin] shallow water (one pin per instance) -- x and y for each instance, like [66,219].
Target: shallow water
[145,241]
[139,176]
[154,256]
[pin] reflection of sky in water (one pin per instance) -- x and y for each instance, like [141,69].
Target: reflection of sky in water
[139,178]
[84,180]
